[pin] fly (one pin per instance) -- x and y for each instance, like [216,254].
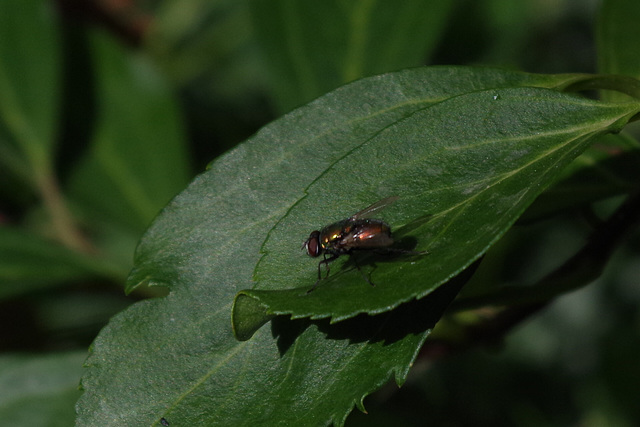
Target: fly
[356,233]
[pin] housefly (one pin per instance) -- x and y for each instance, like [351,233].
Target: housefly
[356,233]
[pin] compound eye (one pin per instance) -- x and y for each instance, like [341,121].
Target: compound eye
[312,244]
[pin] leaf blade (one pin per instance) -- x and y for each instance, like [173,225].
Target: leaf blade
[177,358]
[29,263]
[39,390]
[617,36]
[138,119]
[470,206]
[29,83]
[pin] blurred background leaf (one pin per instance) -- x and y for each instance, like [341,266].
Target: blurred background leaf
[617,36]
[209,51]
[312,48]
[29,262]
[39,390]
[30,80]
[137,159]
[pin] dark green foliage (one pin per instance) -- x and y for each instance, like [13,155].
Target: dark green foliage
[513,189]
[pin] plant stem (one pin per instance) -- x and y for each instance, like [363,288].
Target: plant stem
[623,84]
[64,227]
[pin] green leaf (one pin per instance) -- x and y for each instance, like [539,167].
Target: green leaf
[607,168]
[177,357]
[248,317]
[29,84]
[137,160]
[208,50]
[39,390]
[208,41]
[469,165]
[28,263]
[618,36]
[298,373]
[314,47]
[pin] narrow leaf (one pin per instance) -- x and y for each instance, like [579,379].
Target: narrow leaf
[29,85]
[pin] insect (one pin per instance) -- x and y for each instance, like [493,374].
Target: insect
[356,233]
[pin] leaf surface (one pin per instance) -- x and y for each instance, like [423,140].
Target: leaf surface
[467,168]
[177,357]
[607,168]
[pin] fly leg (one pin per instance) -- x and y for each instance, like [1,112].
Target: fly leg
[326,262]
[364,276]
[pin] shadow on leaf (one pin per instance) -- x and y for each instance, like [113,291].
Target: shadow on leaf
[413,317]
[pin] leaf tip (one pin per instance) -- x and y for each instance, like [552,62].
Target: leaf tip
[135,280]
[360,405]
[247,316]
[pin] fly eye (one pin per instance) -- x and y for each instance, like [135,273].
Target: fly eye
[312,244]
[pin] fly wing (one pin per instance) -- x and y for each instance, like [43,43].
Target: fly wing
[377,206]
